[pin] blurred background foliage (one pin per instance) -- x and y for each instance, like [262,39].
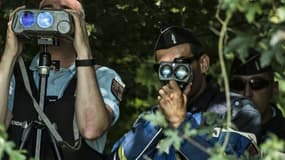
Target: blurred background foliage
[123,34]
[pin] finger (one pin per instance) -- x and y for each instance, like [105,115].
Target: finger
[162,93]
[164,100]
[79,23]
[167,89]
[158,98]
[11,15]
[187,89]
[73,12]
[173,84]
[161,100]
[77,16]
[161,104]
[185,99]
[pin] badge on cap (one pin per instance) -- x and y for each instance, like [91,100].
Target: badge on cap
[173,38]
[118,88]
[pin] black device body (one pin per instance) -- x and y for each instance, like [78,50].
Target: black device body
[179,71]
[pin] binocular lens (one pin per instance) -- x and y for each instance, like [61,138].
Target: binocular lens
[166,71]
[45,19]
[27,19]
[181,72]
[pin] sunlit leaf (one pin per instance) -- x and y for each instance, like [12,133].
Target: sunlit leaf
[157,119]
[252,11]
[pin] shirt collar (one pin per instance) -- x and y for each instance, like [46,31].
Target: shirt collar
[202,103]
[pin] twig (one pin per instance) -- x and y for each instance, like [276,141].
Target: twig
[223,68]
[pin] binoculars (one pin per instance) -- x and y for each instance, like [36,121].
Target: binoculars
[31,23]
[179,71]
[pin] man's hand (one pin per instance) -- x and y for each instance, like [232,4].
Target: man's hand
[173,103]
[13,46]
[81,41]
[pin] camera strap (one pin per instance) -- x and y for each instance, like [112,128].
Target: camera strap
[51,127]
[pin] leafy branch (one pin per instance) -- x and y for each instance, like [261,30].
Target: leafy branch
[8,147]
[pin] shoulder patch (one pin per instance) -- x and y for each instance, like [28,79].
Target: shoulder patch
[118,88]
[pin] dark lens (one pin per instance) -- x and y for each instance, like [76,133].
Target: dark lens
[237,84]
[258,83]
[181,72]
[27,19]
[165,70]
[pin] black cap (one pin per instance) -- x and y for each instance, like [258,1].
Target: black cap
[250,66]
[175,35]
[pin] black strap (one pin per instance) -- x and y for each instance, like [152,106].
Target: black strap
[42,115]
[85,62]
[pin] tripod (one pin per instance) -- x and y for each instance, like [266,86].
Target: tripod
[43,69]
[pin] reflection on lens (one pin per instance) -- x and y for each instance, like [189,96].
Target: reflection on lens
[181,72]
[165,71]
[27,19]
[45,20]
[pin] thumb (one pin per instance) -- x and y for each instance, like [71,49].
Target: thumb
[185,99]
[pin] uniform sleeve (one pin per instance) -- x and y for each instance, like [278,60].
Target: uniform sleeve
[239,142]
[188,149]
[244,116]
[140,141]
[112,88]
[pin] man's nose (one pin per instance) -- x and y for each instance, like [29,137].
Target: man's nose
[248,91]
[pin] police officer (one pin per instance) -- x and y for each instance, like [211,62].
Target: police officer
[183,102]
[257,82]
[81,99]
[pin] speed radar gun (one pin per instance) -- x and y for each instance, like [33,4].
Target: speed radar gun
[42,23]
[179,71]
[47,27]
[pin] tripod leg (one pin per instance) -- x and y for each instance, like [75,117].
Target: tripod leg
[38,144]
[26,135]
[55,148]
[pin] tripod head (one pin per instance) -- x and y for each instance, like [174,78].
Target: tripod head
[45,59]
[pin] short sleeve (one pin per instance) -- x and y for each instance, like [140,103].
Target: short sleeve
[111,87]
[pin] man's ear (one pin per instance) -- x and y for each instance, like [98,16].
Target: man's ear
[204,62]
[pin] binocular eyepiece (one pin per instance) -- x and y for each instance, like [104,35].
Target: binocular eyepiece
[179,71]
[31,23]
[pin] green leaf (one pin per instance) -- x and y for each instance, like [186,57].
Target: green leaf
[8,147]
[188,132]
[240,44]
[252,10]
[272,148]
[278,15]
[172,139]
[156,118]
[266,58]
[279,56]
